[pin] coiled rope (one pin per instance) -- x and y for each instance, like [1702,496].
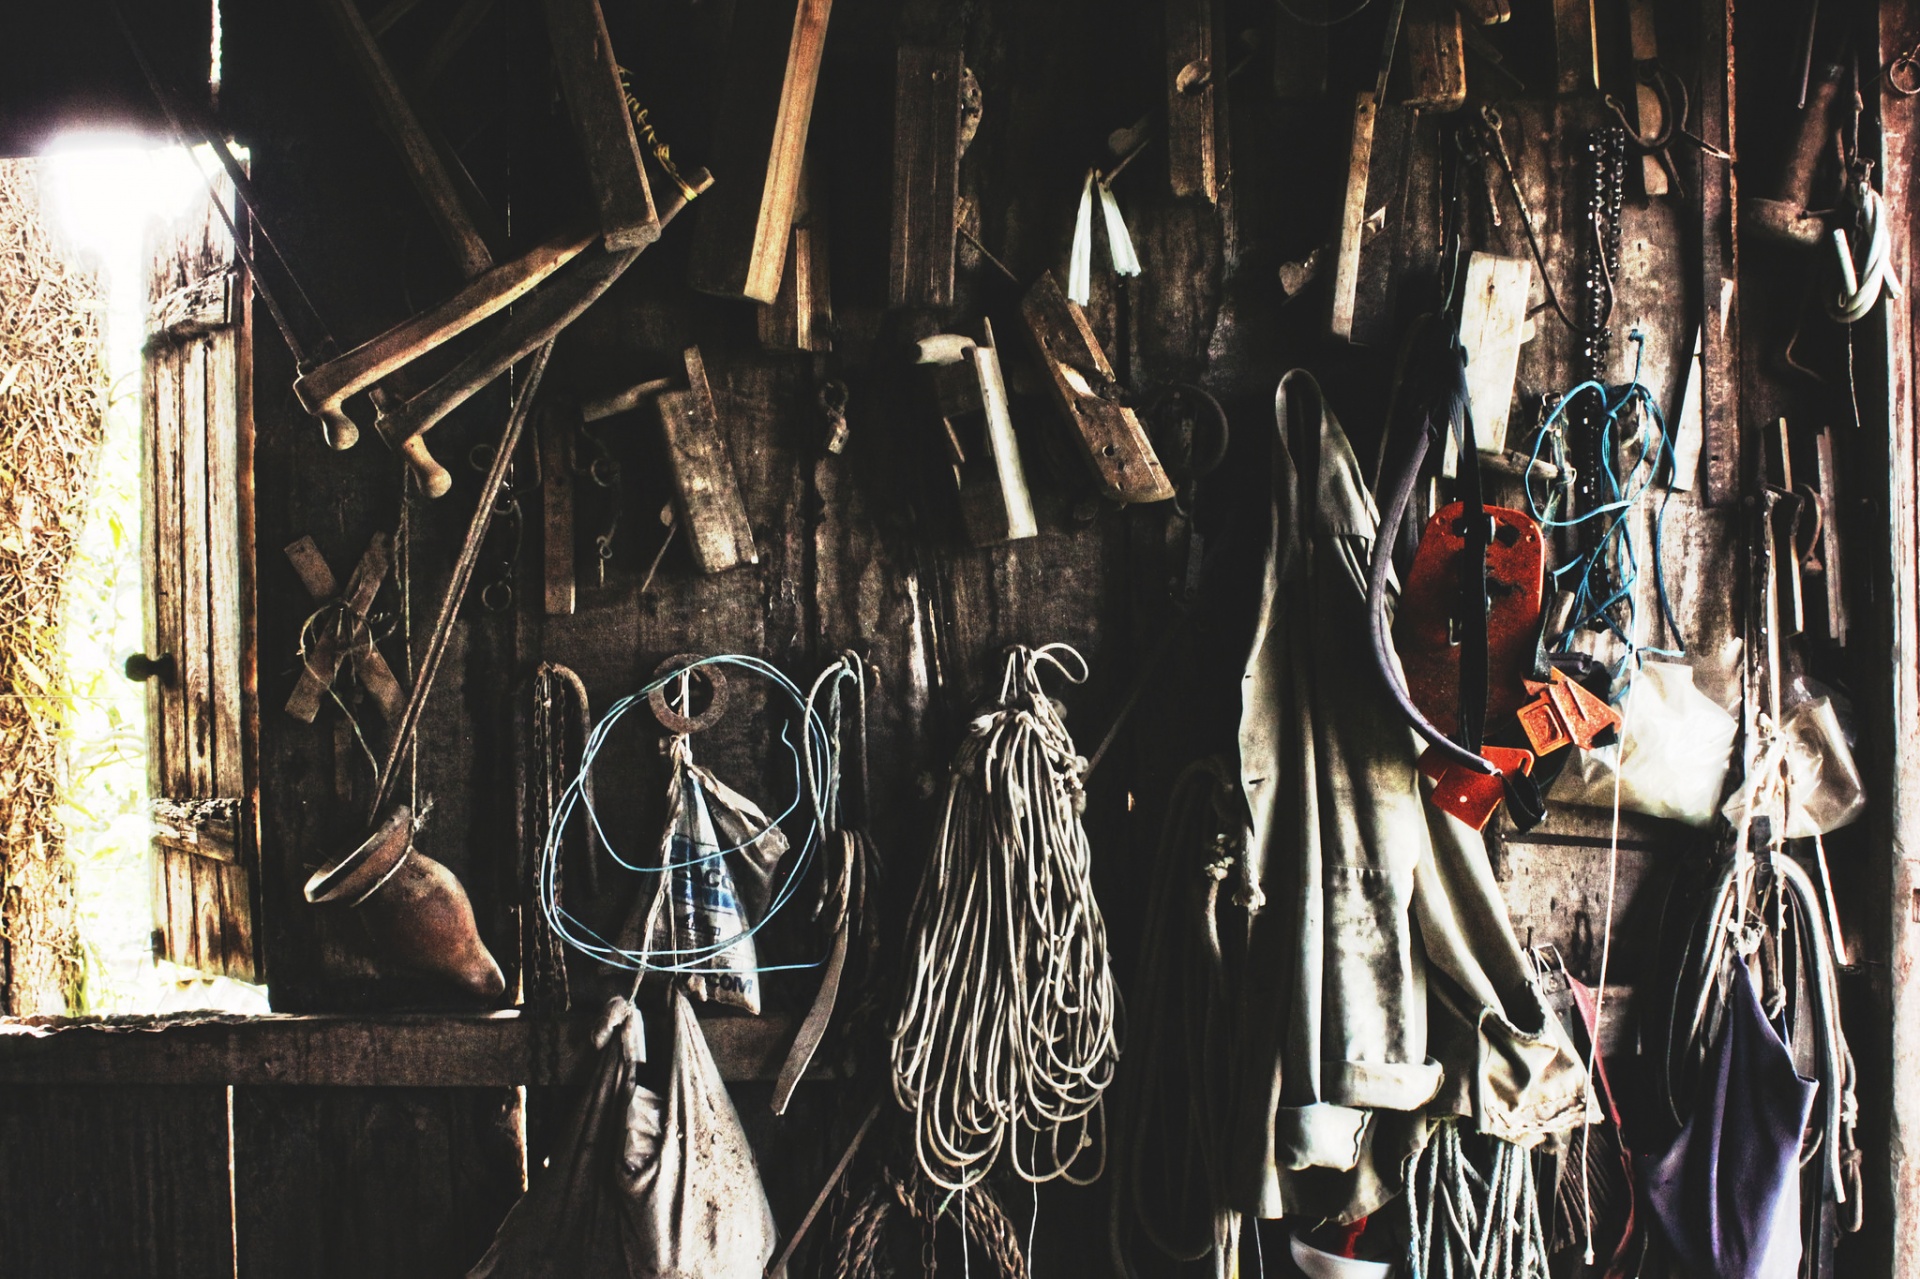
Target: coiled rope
[1463,1224]
[1009,1021]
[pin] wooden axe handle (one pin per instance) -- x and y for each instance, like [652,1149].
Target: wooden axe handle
[323,391]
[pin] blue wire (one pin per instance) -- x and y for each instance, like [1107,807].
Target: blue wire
[1606,576]
[582,937]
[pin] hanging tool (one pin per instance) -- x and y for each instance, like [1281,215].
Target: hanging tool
[1105,428]
[1783,213]
[456,592]
[800,317]
[341,631]
[1193,165]
[971,397]
[1375,140]
[542,318]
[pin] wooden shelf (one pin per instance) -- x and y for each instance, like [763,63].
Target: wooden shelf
[400,1051]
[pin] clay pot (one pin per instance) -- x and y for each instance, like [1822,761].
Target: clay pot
[415,908]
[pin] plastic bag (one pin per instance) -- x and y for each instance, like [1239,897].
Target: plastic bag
[713,896]
[1823,783]
[644,1186]
[1678,744]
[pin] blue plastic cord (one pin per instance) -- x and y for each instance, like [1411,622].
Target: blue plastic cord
[696,960]
[1604,577]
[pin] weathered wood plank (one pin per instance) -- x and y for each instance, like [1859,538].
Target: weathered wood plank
[1436,56]
[1720,417]
[403,1051]
[926,170]
[707,492]
[1192,163]
[1493,321]
[224,614]
[760,138]
[164,563]
[590,81]
[193,659]
[378,1184]
[557,431]
[114,1181]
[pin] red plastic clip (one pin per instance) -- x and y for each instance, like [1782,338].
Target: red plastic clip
[1472,796]
[1564,713]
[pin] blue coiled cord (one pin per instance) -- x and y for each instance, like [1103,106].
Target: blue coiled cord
[1605,576]
[577,934]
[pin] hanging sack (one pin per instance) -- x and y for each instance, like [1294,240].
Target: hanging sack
[1673,762]
[644,1186]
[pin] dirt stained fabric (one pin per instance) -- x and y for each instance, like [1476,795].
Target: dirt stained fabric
[1384,984]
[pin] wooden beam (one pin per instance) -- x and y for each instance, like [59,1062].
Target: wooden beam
[1192,164]
[1436,56]
[1576,56]
[590,80]
[926,173]
[706,490]
[1721,451]
[557,430]
[759,140]
[394,1051]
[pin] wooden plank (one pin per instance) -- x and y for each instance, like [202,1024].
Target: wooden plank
[194,659]
[1353,217]
[1381,266]
[926,174]
[180,939]
[774,55]
[1436,56]
[1889,474]
[706,490]
[225,625]
[1576,55]
[115,1181]
[400,1051]
[1721,453]
[800,318]
[557,430]
[1192,164]
[590,81]
[1493,321]
[1108,433]
[168,739]
[377,1184]
[237,958]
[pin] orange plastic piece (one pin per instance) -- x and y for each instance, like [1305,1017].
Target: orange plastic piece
[1468,795]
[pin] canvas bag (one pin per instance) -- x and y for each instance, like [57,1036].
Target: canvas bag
[644,1186]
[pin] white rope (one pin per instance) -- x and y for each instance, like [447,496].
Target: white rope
[1009,1021]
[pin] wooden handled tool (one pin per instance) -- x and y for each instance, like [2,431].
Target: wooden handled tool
[545,315]
[323,391]
[995,503]
[1109,434]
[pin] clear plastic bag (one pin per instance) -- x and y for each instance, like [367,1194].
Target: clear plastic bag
[1677,746]
[1823,782]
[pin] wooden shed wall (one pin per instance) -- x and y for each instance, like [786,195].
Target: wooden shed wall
[863,551]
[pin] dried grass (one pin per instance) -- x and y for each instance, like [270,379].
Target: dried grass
[53,396]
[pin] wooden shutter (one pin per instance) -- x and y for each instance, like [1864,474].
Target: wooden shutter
[197,463]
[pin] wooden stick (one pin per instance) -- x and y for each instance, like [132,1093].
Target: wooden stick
[740,246]
[1192,167]
[431,171]
[323,390]
[926,174]
[462,575]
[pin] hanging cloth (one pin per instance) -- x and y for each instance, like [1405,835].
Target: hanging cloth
[1369,890]
[1727,1192]
[645,1185]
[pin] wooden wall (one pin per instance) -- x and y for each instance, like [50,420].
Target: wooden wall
[864,550]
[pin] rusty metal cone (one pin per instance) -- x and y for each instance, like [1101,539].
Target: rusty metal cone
[416,909]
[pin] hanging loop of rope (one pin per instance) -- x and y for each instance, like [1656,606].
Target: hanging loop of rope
[1009,1024]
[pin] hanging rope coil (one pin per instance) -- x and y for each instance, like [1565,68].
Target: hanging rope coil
[1461,1222]
[1864,272]
[1008,1027]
